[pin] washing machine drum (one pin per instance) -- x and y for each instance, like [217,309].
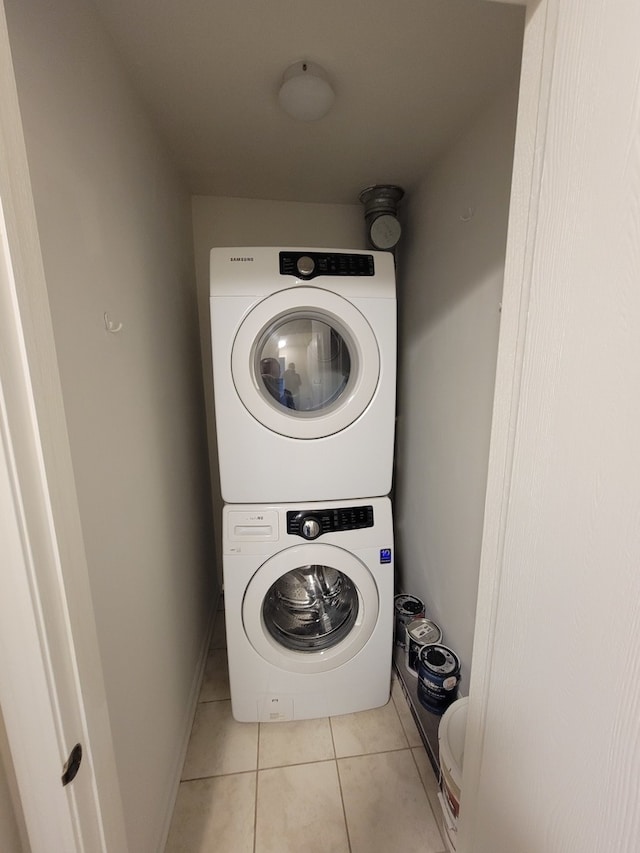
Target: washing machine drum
[305,363]
[311,608]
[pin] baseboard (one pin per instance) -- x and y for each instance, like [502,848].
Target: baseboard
[190,713]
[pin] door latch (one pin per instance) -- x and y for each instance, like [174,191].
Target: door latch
[72,765]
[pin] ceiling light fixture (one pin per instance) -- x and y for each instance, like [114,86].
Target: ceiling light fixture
[305,93]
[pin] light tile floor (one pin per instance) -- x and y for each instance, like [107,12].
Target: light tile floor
[359,783]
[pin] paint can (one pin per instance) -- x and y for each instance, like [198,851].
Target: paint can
[420,633]
[438,678]
[407,608]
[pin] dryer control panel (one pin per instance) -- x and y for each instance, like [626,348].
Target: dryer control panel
[310,524]
[308,265]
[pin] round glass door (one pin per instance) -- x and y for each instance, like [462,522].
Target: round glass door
[305,363]
[322,373]
[310,608]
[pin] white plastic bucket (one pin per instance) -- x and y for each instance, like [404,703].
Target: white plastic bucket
[451,736]
[449,825]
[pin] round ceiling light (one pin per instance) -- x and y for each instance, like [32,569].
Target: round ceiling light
[305,93]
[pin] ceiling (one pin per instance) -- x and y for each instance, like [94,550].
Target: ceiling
[408,75]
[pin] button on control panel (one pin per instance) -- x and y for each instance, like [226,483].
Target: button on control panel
[310,524]
[305,265]
[308,265]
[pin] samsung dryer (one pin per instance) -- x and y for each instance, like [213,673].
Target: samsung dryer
[304,366]
[308,595]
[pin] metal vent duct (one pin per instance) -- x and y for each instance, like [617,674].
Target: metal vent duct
[380,213]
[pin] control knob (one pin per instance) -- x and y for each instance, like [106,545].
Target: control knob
[311,528]
[306,265]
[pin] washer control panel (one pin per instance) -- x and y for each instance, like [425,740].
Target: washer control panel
[308,265]
[310,524]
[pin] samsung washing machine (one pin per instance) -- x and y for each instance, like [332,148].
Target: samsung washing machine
[304,366]
[308,592]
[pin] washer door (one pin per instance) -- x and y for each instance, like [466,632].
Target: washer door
[305,363]
[310,608]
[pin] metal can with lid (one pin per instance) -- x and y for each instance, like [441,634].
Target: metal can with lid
[438,678]
[419,633]
[407,608]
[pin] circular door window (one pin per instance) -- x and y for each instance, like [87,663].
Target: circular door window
[310,608]
[305,363]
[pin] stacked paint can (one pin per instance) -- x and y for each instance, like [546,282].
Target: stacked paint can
[407,609]
[419,633]
[438,678]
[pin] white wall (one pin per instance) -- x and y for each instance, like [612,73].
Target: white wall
[450,270]
[252,222]
[115,230]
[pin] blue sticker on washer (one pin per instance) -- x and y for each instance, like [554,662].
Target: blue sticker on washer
[385,555]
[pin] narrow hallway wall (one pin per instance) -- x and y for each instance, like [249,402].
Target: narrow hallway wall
[450,271]
[115,229]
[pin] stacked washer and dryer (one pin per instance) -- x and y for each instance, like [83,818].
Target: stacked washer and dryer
[304,364]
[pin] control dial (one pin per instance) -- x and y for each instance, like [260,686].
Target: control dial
[306,265]
[310,528]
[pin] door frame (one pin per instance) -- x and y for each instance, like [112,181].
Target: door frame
[52,691]
[536,77]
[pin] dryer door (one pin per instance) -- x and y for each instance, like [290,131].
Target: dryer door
[310,608]
[305,363]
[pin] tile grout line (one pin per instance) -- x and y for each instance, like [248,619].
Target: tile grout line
[298,763]
[255,816]
[422,782]
[344,809]
[255,805]
[398,715]
[436,816]
[409,749]
[218,776]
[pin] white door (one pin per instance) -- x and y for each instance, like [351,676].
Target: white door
[47,635]
[310,608]
[552,750]
[305,363]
